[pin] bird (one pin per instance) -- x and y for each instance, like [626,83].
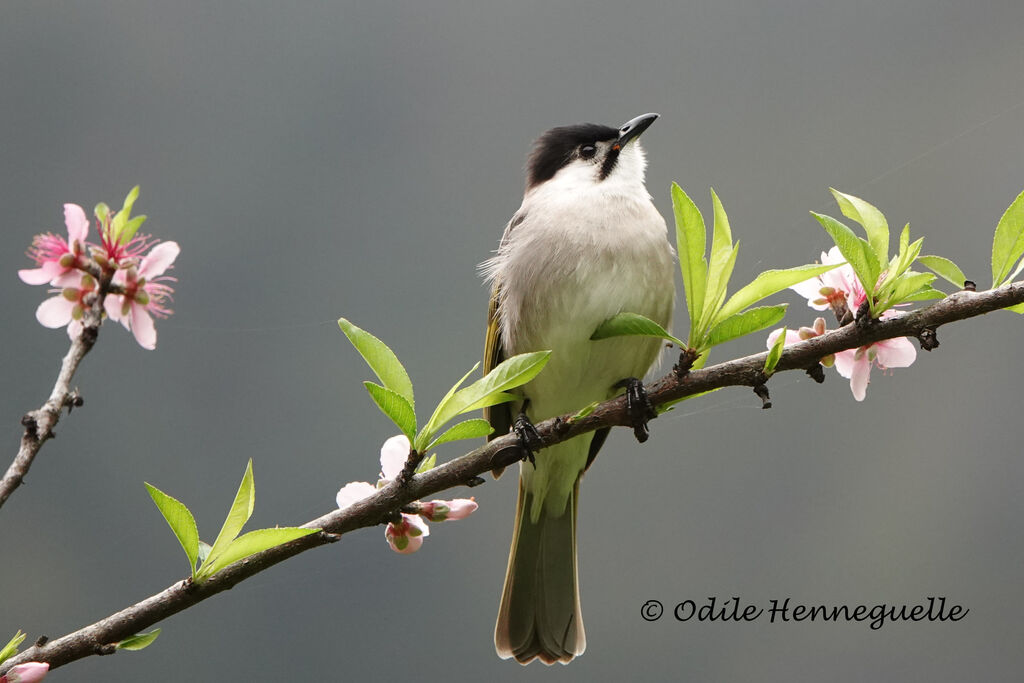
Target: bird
[586,244]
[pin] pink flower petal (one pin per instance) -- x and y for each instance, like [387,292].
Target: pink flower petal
[896,353]
[76,223]
[55,312]
[860,378]
[41,275]
[352,492]
[29,672]
[142,327]
[393,455]
[460,508]
[158,259]
[792,337]
[845,361]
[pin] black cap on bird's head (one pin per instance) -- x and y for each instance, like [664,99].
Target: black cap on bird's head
[584,142]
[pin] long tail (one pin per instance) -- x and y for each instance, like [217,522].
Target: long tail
[540,615]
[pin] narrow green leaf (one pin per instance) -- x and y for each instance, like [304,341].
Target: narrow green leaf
[875,225]
[744,323]
[238,515]
[129,201]
[1019,308]
[394,405]
[775,353]
[11,648]
[139,641]
[633,325]
[907,284]
[131,227]
[585,410]
[767,283]
[511,373]
[857,252]
[251,543]
[181,521]
[924,294]
[492,400]
[469,429]
[944,268]
[1008,241]
[204,552]
[691,237]
[427,464]
[381,359]
[419,444]
[721,262]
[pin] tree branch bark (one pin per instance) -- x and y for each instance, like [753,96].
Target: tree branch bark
[101,637]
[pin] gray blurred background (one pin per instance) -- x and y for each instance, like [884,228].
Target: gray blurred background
[323,159]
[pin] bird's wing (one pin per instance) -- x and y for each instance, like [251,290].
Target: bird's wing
[500,416]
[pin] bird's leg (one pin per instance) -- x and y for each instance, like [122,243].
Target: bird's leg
[529,438]
[638,407]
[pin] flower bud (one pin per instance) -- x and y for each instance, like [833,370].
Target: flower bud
[30,672]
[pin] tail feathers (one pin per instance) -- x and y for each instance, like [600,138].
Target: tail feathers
[540,615]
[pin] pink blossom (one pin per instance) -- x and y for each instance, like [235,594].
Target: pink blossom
[407,535]
[393,455]
[29,672]
[855,364]
[839,285]
[56,257]
[448,510]
[353,492]
[146,293]
[68,307]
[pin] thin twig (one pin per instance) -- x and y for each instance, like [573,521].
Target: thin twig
[100,638]
[39,424]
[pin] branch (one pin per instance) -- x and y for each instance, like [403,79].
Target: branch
[39,423]
[101,637]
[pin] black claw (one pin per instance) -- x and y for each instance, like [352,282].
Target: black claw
[638,407]
[529,438]
[817,372]
[762,393]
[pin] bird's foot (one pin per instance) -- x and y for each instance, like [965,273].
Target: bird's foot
[638,407]
[529,438]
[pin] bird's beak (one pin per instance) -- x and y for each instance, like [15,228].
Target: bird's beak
[632,129]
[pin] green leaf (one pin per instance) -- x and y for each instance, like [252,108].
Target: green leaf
[394,405]
[130,228]
[470,429]
[254,542]
[1019,308]
[944,268]
[491,400]
[426,464]
[181,521]
[511,373]
[585,410]
[720,266]
[744,323]
[775,353]
[1008,241]
[767,283]
[857,252]
[238,515]
[381,359]
[11,648]
[924,294]
[129,201]
[204,551]
[908,284]
[419,444]
[691,237]
[633,325]
[875,225]
[139,641]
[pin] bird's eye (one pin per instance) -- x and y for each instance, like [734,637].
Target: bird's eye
[588,151]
